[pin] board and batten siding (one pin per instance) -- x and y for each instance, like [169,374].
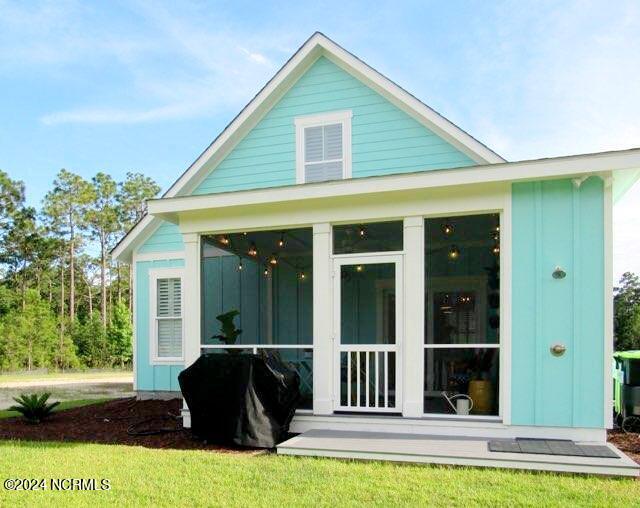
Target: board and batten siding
[151,377]
[557,224]
[385,140]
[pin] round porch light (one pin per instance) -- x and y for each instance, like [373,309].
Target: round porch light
[454,252]
[359,268]
[447,229]
[253,250]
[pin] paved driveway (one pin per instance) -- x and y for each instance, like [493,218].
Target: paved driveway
[68,389]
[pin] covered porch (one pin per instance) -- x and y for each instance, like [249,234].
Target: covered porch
[380,315]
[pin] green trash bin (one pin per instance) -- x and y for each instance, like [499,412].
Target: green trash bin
[626,383]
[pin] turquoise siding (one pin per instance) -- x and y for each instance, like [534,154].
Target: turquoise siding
[167,238]
[151,377]
[555,224]
[385,140]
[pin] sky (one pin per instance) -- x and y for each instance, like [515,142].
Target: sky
[145,86]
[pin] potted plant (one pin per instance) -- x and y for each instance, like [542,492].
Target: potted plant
[228,331]
[480,386]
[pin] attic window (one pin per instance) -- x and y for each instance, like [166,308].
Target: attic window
[323,150]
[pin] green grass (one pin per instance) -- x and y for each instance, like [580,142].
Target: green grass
[65,404]
[52,376]
[143,477]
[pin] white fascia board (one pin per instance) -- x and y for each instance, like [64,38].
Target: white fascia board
[553,168]
[123,251]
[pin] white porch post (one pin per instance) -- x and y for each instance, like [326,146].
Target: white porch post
[413,353]
[191,303]
[322,321]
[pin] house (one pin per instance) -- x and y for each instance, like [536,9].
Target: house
[417,281]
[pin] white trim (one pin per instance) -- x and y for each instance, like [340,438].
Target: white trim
[608,302]
[133,296]
[322,320]
[396,347]
[154,275]
[506,296]
[560,167]
[442,427]
[319,120]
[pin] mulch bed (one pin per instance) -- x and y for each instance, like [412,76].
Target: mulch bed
[112,422]
[628,443]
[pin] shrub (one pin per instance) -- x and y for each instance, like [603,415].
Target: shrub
[34,408]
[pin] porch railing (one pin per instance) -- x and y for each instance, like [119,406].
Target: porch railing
[368,377]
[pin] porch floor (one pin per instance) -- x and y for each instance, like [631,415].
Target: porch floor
[467,451]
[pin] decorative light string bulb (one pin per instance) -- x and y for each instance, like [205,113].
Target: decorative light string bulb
[253,250]
[273,260]
[447,229]
[454,253]
[281,241]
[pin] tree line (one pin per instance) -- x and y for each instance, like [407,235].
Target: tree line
[64,303]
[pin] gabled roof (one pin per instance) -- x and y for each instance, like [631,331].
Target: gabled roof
[317,45]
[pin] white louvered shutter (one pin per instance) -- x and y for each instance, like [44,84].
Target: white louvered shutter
[323,153]
[169,317]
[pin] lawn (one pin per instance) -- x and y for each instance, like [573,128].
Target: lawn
[65,404]
[54,376]
[141,476]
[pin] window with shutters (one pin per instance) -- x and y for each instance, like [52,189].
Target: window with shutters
[166,310]
[323,150]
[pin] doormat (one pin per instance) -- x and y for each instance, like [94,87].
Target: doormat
[552,447]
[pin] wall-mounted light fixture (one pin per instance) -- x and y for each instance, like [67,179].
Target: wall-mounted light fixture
[454,253]
[559,273]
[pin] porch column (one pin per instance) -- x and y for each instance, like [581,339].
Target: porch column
[412,347]
[322,321]
[191,303]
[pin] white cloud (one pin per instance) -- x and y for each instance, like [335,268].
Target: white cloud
[177,63]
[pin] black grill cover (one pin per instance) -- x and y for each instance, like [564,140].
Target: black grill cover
[240,399]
